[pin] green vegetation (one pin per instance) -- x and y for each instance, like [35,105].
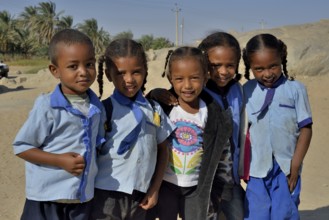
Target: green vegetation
[31,66]
[28,34]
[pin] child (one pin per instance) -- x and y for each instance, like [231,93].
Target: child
[132,161]
[196,147]
[59,138]
[280,131]
[224,53]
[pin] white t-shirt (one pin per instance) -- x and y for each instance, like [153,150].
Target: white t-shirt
[186,146]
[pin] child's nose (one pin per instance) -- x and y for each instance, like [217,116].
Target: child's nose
[222,70]
[128,78]
[187,84]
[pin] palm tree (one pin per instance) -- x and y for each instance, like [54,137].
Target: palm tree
[8,32]
[28,17]
[100,37]
[47,21]
[65,22]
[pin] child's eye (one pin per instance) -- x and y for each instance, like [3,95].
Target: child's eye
[137,72]
[74,67]
[274,67]
[258,70]
[178,79]
[91,64]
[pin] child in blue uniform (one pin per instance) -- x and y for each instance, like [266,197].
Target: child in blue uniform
[280,129]
[59,138]
[224,53]
[133,159]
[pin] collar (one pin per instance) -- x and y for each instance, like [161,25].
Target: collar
[280,81]
[124,100]
[212,86]
[57,98]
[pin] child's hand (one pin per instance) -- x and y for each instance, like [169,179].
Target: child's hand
[150,200]
[72,163]
[292,179]
[164,96]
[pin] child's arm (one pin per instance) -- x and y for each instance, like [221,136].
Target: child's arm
[302,146]
[151,197]
[163,96]
[71,162]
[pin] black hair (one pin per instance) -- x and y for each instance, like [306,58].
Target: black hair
[182,53]
[120,48]
[67,37]
[262,41]
[222,39]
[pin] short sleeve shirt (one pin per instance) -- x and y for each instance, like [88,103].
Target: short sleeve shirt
[275,133]
[134,169]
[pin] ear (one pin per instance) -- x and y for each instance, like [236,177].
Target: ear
[54,71]
[108,75]
[206,80]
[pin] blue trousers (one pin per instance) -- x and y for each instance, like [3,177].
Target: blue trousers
[269,198]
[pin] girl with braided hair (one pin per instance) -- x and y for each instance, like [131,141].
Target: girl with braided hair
[134,156]
[196,146]
[280,128]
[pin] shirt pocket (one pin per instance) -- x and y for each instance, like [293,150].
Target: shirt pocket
[287,103]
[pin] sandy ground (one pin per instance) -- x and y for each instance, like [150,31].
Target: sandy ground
[17,95]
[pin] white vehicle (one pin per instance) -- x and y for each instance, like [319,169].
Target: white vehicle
[4,70]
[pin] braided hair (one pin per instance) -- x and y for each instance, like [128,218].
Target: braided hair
[120,48]
[259,42]
[222,39]
[182,53]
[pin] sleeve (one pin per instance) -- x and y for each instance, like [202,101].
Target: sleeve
[303,109]
[36,128]
[166,126]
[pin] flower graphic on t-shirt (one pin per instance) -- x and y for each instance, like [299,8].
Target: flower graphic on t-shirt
[186,148]
[187,137]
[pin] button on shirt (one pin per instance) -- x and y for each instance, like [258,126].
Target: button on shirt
[275,132]
[55,126]
[133,169]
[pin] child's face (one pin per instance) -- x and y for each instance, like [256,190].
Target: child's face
[188,79]
[128,76]
[223,64]
[266,66]
[75,68]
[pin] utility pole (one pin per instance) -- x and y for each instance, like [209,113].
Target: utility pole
[176,10]
[262,24]
[182,32]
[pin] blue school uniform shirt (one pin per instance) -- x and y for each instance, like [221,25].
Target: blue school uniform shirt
[133,169]
[274,133]
[234,98]
[54,126]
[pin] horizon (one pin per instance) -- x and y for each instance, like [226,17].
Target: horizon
[195,19]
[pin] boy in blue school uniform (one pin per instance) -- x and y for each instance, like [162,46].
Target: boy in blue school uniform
[59,138]
[134,157]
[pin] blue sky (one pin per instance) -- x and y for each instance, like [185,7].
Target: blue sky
[199,17]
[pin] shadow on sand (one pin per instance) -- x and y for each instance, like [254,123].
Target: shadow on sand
[316,214]
[5,89]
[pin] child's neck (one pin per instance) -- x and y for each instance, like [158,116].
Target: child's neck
[191,107]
